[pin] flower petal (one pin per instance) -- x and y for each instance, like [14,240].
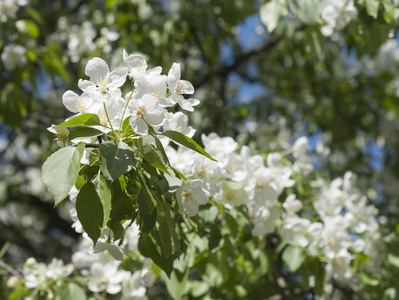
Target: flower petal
[118,77]
[97,69]
[70,101]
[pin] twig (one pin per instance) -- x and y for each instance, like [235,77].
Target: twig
[10,270]
[225,70]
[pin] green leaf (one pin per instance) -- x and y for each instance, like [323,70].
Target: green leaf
[116,159]
[34,14]
[93,206]
[165,236]
[293,257]
[31,55]
[372,7]
[186,141]
[61,170]
[126,128]
[18,293]
[151,155]
[393,260]
[370,280]
[122,204]
[307,11]
[33,29]
[177,284]
[84,132]
[70,291]
[173,183]
[82,120]
[147,213]
[216,236]
[149,246]
[117,229]
[152,202]
[198,288]
[161,149]
[104,191]
[272,12]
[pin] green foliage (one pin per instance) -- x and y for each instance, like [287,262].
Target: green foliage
[116,159]
[151,155]
[70,291]
[187,142]
[93,206]
[84,132]
[293,258]
[82,120]
[60,171]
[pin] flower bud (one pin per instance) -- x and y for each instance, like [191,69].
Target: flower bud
[30,262]
[12,282]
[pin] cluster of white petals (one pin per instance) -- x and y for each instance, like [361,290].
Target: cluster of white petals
[337,14]
[346,225]
[9,8]
[145,106]
[38,274]
[13,56]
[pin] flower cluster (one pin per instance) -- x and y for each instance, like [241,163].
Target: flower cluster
[337,223]
[145,106]
[236,179]
[347,224]
[337,14]
[104,272]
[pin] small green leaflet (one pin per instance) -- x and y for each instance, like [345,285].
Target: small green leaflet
[61,170]
[82,120]
[186,141]
[116,159]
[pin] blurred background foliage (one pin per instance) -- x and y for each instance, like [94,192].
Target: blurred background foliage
[263,88]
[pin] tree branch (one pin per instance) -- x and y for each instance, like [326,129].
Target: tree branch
[10,270]
[225,70]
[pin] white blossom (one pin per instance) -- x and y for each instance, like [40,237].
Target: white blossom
[190,196]
[178,87]
[144,112]
[13,56]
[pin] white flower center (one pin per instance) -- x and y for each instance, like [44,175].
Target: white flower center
[180,87]
[186,195]
[61,137]
[81,107]
[141,68]
[102,85]
[141,111]
[103,118]
[104,280]
[158,95]
[230,196]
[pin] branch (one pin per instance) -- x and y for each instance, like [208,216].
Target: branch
[10,270]
[225,70]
